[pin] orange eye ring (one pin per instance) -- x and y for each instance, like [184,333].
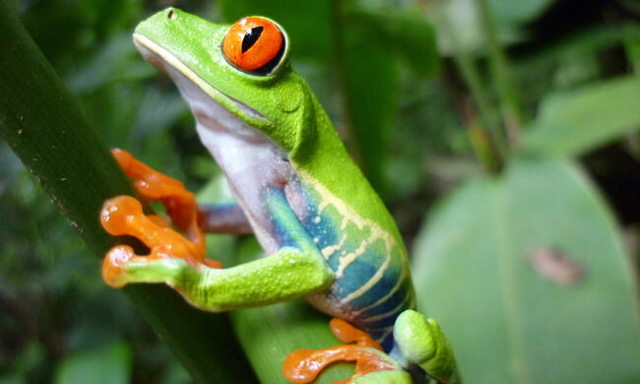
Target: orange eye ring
[254,45]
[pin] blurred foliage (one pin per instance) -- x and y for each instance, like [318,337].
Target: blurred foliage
[510,128]
[538,248]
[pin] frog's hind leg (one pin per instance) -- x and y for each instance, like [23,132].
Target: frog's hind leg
[420,350]
[295,269]
[304,365]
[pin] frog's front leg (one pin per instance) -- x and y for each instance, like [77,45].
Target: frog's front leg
[295,269]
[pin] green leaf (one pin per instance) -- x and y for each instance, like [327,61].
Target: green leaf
[575,122]
[110,364]
[42,123]
[308,23]
[529,279]
[406,33]
[371,93]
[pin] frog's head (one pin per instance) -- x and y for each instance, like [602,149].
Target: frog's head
[244,68]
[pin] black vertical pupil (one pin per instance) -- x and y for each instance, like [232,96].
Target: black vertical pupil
[250,38]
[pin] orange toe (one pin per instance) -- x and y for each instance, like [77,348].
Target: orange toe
[304,365]
[212,263]
[117,214]
[113,265]
[347,333]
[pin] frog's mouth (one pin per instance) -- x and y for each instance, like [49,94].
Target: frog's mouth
[168,63]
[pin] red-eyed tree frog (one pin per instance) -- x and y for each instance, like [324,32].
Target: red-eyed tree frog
[326,233]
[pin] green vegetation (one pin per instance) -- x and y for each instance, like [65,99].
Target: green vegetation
[503,135]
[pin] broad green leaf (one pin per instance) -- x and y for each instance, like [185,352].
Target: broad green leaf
[572,123]
[529,279]
[308,23]
[109,364]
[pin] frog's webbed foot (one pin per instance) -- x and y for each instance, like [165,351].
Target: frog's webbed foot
[420,347]
[304,365]
[170,251]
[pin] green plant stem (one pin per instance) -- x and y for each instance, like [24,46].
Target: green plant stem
[501,74]
[42,123]
[495,151]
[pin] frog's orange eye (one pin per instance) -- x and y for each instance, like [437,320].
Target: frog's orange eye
[255,45]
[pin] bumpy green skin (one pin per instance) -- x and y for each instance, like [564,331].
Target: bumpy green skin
[342,250]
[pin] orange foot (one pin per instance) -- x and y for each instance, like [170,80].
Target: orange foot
[123,215]
[304,365]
